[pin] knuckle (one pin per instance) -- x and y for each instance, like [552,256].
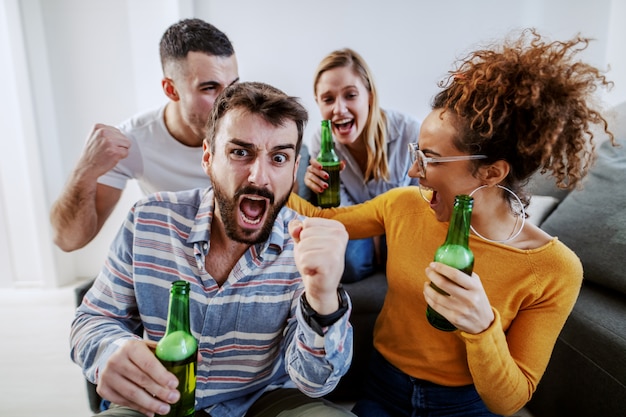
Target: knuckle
[102,390]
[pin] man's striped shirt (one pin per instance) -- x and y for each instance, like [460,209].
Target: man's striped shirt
[251,333]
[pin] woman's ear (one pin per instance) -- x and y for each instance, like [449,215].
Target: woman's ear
[494,173]
[170,89]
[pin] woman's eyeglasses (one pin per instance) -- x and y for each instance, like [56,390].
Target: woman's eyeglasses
[422,160]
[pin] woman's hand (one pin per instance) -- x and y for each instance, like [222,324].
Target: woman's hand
[315,177]
[467,306]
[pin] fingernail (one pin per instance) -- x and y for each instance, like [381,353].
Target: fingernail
[172,397]
[164,409]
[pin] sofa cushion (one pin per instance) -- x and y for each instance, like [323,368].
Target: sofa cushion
[592,221]
[367,297]
[302,190]
[596,329]
[545,185]
[586,375]
[368,294]
[540,207]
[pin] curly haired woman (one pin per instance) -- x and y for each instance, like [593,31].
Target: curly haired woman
[505,113]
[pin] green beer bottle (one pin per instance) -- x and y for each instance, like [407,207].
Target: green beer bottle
[454,252]
[178,350]
[330,197]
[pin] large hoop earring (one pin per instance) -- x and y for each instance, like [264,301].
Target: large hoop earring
[522,214]
[426,199]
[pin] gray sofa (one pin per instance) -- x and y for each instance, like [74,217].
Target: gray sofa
[586,375]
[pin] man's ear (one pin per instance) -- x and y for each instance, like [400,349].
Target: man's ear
[295,168]
[170,89]
[206,156]
[494,173]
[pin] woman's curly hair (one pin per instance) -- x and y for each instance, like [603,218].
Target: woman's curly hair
[528,102]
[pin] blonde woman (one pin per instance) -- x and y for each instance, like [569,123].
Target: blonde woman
[370,141]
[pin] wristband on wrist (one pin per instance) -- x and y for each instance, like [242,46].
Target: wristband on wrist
[318,321]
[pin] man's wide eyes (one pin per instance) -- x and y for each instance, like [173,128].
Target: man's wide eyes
[280,158]
[241,153]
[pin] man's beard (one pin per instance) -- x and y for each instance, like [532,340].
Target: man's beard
[229,210]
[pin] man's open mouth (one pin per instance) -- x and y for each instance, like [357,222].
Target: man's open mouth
[253,208]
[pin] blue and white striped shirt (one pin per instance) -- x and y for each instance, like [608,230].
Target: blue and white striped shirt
[251,333]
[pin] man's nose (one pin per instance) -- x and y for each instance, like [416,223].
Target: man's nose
[259,173]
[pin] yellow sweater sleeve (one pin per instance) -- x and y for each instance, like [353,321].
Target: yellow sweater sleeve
[506,366]
[360,220]
[303,207]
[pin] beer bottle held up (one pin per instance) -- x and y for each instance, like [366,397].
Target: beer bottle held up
[330,197]
[178,350]
[454,252]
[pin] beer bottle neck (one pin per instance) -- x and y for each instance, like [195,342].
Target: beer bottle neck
[459,228]
[326,144]
[178,314]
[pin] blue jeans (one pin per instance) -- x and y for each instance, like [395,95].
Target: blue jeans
[361,259]
[388,392]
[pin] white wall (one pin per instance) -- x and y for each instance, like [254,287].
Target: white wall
[97,61]
[27,256]
[616,51]
[408,45]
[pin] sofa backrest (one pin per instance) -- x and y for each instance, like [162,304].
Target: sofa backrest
[592,221]
[617,120]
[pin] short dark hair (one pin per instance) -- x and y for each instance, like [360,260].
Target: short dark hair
[269,102]
[193,35]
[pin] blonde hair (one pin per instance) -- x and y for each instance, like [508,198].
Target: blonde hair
[375,131]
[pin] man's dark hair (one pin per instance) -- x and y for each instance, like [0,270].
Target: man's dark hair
[269,102]
[193,35]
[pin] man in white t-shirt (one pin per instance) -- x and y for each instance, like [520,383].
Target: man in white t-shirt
[160,148]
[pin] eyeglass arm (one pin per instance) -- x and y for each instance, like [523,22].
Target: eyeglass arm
[454,158]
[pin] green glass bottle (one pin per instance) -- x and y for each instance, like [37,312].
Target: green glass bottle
[330,197]
[454,252]
[178,350]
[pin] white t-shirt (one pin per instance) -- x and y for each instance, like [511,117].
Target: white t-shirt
[156,159]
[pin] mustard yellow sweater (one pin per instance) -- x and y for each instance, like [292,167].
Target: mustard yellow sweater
[531,292]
